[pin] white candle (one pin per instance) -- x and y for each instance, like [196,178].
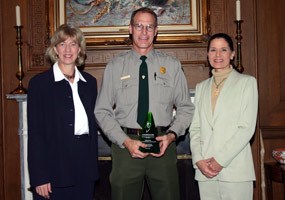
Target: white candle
[18,16]
[238,10]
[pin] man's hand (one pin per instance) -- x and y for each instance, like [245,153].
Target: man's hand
[164,142]
[44,190]
[133,148]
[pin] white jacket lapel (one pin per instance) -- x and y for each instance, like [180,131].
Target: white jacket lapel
[207,99]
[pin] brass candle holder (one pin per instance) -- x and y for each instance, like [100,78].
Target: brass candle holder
[20,74]
[239,37]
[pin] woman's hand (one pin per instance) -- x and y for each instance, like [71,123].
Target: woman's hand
[44,190]
[215,165]
[206,169]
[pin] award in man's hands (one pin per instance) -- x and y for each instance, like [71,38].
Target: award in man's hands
[148,135]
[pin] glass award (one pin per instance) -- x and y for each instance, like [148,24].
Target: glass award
[148,135]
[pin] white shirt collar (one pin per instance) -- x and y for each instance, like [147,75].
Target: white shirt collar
[58,75]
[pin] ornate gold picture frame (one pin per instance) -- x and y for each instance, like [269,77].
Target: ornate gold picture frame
[105,22]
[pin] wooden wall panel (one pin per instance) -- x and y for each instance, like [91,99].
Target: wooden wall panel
[217,17]
[1,116]
[271,40]
[10,166]
[271,73]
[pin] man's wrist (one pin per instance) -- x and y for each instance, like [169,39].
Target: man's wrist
[172,132]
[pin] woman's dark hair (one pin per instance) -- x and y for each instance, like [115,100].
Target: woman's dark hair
[225,37]
[228,39]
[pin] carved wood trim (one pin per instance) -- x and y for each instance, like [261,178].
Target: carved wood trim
[38,24]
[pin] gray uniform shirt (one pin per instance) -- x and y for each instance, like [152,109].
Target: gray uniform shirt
[118,97]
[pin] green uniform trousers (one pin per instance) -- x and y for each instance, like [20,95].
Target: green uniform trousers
[128,175]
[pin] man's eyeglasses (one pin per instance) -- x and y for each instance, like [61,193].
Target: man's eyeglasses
[149,28]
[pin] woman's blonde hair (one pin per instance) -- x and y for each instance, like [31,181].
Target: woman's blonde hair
[61,34]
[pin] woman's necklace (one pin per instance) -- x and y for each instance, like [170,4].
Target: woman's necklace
[69,77]
[217,86]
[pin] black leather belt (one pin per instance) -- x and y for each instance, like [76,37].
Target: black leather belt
[81,136]
[136,131]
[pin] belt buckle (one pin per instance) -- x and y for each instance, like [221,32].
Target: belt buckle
[138,132]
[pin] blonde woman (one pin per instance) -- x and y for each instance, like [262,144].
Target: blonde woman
[62,133]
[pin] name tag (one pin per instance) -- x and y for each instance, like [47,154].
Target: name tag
[125,77]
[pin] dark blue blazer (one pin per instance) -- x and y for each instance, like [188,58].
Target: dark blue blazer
[51,137]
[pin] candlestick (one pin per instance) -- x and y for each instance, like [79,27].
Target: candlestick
[18,16]
[238,18]
[238,54]
[20,74]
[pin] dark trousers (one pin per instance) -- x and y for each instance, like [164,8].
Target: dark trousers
[128,175]
[84,191]
[82,188]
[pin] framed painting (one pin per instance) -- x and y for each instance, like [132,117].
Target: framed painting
[105,22]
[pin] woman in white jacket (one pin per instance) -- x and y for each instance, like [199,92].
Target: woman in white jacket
[223,124]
